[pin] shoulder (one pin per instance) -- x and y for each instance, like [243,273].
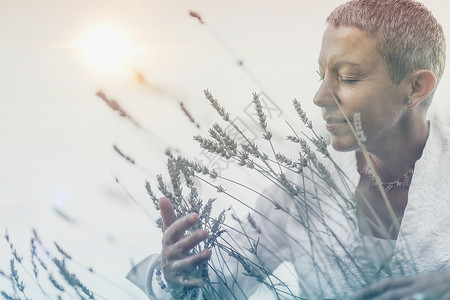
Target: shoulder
[439,133]
[438,142]
[431,172]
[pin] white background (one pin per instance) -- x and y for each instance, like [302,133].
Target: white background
[56,135]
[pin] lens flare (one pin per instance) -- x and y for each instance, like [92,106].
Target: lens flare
[105,47]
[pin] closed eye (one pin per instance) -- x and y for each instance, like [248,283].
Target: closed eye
[347,80]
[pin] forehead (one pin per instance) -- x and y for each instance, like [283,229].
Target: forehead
[349,45]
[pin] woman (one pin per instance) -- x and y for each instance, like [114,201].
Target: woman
[381,59]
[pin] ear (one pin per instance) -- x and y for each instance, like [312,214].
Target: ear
[421,83]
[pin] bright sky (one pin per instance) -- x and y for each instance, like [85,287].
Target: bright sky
[57,137]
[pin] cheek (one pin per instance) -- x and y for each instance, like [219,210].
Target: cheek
[353,100]
[379,119]
[378,105]
[373,107]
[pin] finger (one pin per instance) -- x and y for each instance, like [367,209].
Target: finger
[181,248]
[177,229]
[167,212]
[181,271]
[189,263]
[367,293]
[397,293]
[381,287]
[189,242]
[371,291]
[189,282]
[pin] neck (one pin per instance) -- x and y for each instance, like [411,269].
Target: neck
[399,152]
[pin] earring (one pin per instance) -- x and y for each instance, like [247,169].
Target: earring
[408,102]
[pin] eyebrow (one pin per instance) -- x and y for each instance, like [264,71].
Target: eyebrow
[342,63]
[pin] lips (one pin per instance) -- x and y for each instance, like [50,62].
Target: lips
[333,124]
[331,120]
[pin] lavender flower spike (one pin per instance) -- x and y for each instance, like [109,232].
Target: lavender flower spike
[358,127]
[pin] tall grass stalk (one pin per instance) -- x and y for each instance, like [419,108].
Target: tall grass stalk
[293,178]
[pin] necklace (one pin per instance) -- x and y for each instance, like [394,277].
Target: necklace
[403,182]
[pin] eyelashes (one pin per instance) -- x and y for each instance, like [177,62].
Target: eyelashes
[339,78]
[346,80]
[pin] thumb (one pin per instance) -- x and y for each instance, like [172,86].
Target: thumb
[167,212]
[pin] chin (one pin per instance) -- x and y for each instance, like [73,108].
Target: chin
[344,143]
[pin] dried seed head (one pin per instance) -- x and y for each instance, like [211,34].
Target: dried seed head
[197,16]
[259,112]
[358,127]
[214,103]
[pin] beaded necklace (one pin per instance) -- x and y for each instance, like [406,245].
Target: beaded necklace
[403,182]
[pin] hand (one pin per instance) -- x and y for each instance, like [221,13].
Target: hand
[177,266]
[434,285]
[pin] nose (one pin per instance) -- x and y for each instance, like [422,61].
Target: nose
[323,96]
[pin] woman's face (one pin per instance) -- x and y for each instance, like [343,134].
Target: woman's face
[357,75]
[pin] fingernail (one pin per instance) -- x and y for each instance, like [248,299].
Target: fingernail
[206,253]
[193,217]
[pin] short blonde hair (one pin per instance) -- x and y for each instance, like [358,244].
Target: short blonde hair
[408,36]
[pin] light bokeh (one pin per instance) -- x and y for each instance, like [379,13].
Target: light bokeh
[57,136]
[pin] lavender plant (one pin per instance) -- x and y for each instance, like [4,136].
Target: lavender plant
[313,199]
[48,273]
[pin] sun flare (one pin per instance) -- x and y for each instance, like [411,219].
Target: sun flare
[105,46]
